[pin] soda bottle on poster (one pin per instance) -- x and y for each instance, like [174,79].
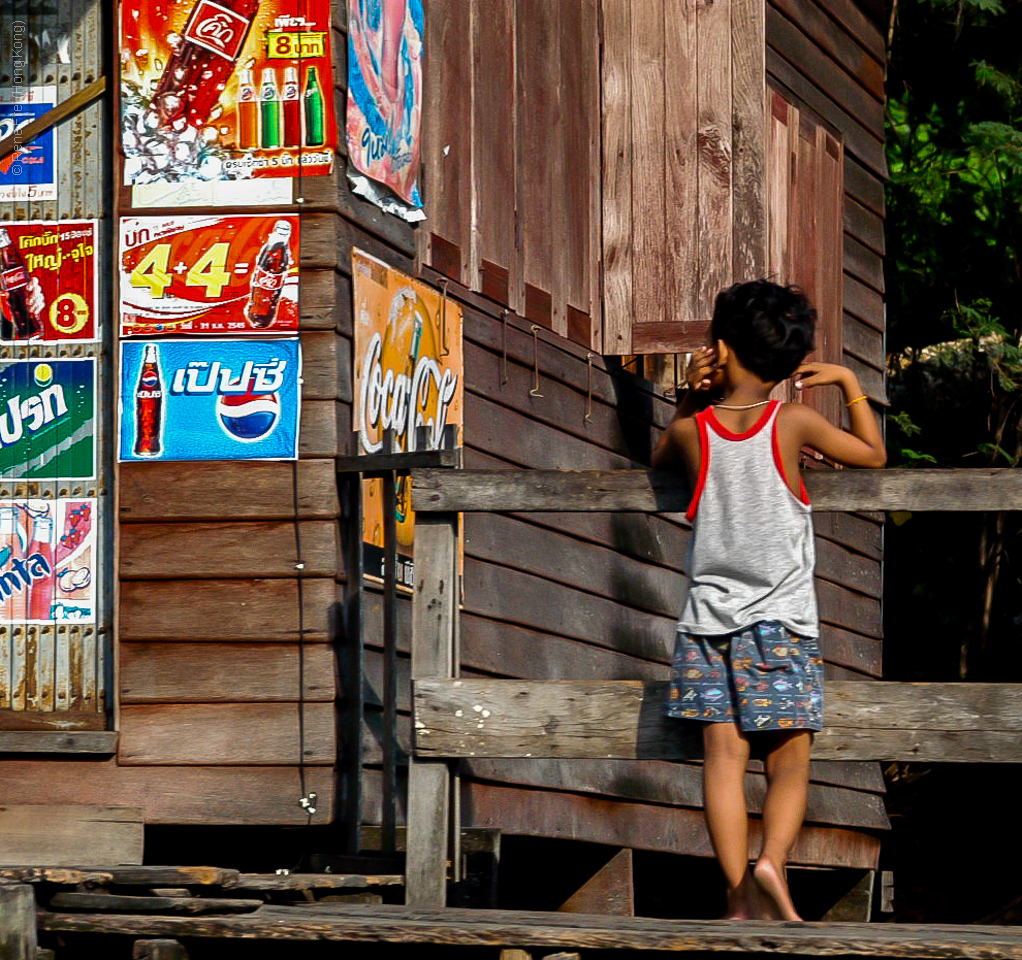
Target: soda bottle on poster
[203,60]
[16,285]
[269,110]
[149,405]
[315,134]
[291,96]
[248,112]
[40,603]
[267,282]
[13,606]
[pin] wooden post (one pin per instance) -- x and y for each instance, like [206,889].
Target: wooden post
[353,662]
[17,922]
[388,820]
[434,609]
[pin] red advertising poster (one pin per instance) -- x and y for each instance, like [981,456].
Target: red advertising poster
[225,89]
[209,275]
[48,280]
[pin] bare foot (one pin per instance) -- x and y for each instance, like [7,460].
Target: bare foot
[774,887]
[741,901]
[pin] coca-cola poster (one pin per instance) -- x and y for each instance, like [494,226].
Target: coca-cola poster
[48,280]
[385,99]
[225,89]
[195,399]
[409,373]
[30,173]
[221,276]
[47,419]
[47,561]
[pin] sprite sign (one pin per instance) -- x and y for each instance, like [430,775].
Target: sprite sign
[47,411]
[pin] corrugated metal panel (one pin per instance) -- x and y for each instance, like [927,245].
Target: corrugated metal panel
[55,676]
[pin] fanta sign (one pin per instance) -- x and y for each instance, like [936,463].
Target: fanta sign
[218,29]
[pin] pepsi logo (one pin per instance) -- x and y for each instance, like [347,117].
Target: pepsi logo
[248,417]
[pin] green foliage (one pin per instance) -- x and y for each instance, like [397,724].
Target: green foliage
[954,293]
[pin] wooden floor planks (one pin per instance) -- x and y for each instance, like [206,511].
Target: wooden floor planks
[390,924]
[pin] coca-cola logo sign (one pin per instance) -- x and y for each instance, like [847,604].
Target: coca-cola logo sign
[218,29]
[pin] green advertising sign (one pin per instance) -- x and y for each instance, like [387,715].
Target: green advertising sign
[47,415]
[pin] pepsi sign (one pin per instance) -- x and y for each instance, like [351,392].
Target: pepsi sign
[222,399]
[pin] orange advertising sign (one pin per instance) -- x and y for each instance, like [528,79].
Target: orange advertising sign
[409,373]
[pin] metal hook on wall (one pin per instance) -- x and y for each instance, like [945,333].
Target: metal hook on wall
[444,349]
[534,392]
[589,388]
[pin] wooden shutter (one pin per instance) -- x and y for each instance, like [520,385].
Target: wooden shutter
[805,189]
[683,165]
[511,156]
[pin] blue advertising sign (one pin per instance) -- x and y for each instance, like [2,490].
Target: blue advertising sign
[30,173]
[210,399]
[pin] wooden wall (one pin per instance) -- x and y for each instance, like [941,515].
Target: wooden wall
[210,597]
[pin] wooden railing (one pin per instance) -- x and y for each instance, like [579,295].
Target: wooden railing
[454,718]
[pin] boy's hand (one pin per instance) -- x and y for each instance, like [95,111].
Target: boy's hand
[699,373]
[821,375]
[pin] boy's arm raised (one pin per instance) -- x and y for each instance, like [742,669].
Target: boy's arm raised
[861,445]
[679,443]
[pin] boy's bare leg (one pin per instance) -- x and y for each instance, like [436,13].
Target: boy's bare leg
[726,752]
[787,770]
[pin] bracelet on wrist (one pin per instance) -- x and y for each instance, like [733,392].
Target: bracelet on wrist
[856,400]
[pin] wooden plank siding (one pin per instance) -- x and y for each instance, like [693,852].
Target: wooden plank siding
[829,59]
[683,166]
[214,618]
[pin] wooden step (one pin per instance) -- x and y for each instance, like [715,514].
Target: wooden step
[561,932]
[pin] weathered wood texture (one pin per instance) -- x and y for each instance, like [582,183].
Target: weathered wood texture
[624,719]
[118,903]
[511,158]
[433,654]
[201,795]
[684,209]
[199,491]
[827,62]
[608,891]
[619,490]
[195,672]
[569,816]
[228,733]
[38,834]
[553,931]
[18,938]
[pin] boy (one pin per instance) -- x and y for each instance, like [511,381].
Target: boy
[747,664]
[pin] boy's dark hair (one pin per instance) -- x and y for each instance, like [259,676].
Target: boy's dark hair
[768,326]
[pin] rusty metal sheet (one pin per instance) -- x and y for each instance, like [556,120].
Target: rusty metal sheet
[61,669]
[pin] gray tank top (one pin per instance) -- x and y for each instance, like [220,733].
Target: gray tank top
[752,554]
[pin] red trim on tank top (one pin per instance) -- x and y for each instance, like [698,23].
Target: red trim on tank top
[723,431]
[779,463]
[704,464]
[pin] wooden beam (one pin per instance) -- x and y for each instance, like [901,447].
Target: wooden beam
[17,922]
[604,491]
[51,118]
[38,834]
[434,611]
[623,719]
[553,931]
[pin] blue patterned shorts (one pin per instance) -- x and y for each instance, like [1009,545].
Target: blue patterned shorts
[763,676]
